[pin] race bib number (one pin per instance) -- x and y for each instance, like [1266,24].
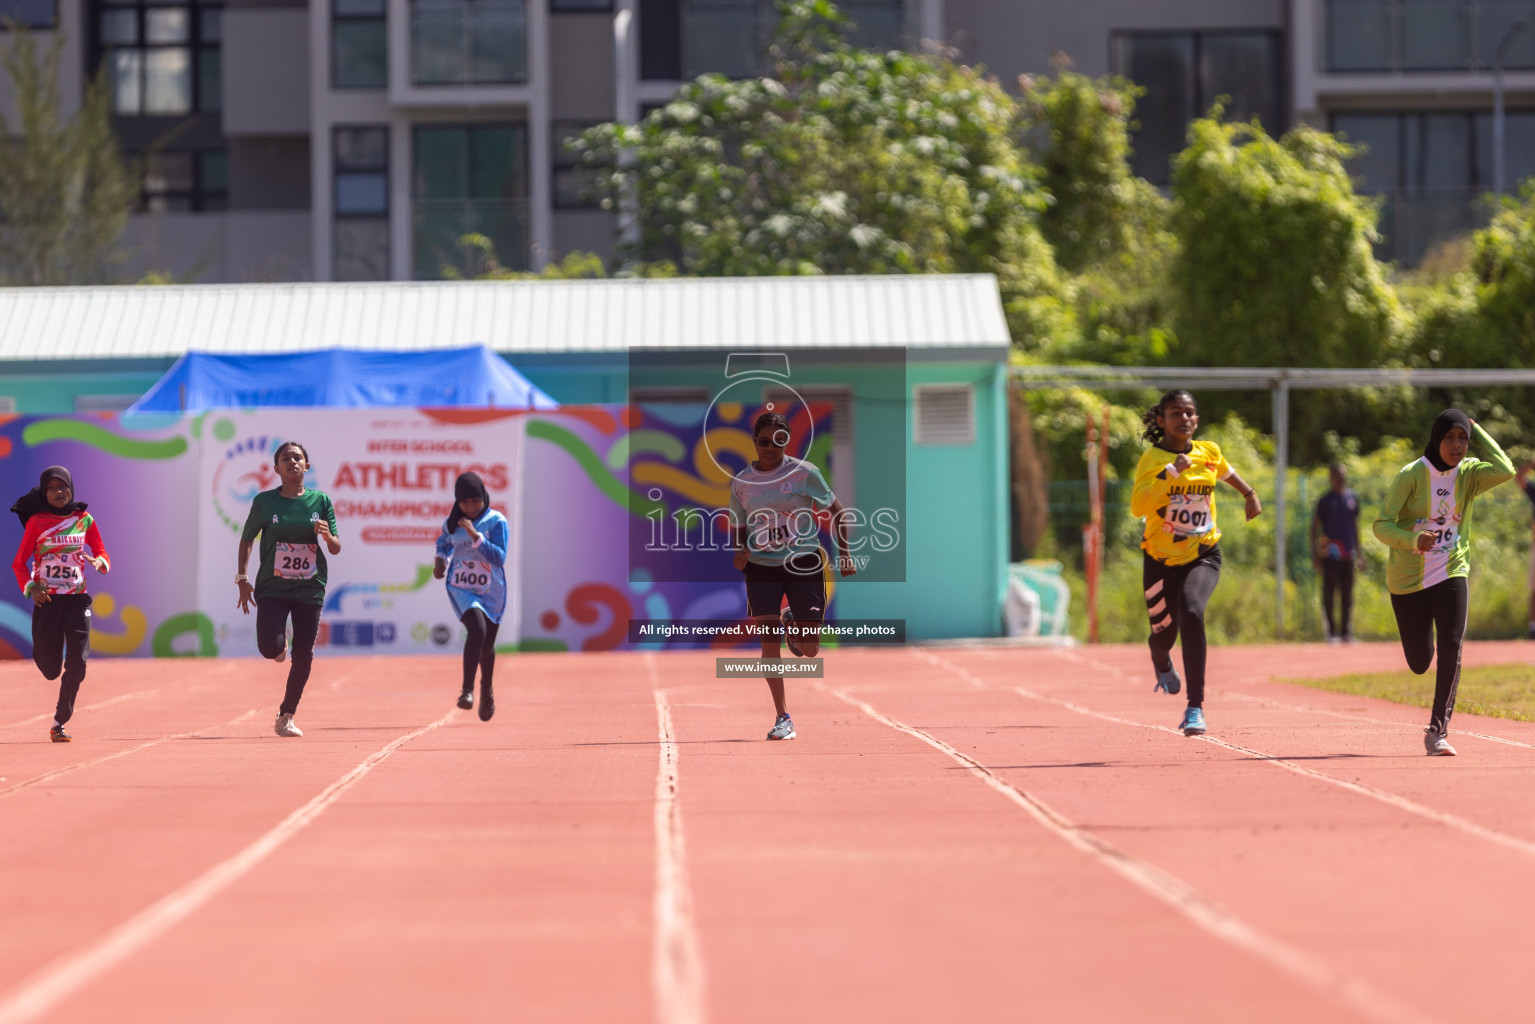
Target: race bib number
[296,561]
[471,576]
[60,571]
[1445,534]
[1189,514]
[773,531]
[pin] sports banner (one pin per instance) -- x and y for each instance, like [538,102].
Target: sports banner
[389,474]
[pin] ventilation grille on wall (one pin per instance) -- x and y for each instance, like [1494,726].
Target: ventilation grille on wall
[945,414]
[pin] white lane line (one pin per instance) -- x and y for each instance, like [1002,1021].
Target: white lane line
[1105,667]
[1366,718]
[47,716]
[64,977]
[34,780]
[1401,803]
[1173,891]
[677,970]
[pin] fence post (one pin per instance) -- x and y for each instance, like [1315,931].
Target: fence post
[1281,397]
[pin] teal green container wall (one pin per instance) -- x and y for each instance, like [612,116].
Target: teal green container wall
[955,500]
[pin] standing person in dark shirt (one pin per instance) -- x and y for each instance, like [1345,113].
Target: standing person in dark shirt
[1335,551]
[1527,485]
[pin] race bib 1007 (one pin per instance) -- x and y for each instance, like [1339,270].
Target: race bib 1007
[1189,514]
[296,561]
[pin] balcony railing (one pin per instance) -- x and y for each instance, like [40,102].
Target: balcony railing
[1427,35]
[468,42]
[730,37]
[439,227]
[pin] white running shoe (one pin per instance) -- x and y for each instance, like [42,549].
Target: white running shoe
[285,726]
[1437,744]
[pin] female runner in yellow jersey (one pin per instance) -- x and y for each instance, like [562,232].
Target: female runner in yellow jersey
[1175,493]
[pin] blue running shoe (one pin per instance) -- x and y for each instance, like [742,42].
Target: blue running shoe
[1193,722]
[1167,682]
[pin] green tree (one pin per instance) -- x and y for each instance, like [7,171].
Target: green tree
[1274,265]
[1107,226]
[65,191]
[1503,267]
[842,161]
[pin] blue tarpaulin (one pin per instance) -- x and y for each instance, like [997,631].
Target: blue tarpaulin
[473,376]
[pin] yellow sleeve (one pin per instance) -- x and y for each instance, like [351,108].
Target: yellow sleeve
[1496,469]
[1150,490]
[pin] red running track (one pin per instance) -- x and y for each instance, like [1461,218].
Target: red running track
[959,833]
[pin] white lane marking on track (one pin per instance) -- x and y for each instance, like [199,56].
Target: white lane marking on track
[677,970]
[1366,718]
[1173,891]
[67,975]
[48,715]
[34,780]
[1401,803]
[1105,667]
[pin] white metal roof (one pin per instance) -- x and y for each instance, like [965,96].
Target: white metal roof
[932,311]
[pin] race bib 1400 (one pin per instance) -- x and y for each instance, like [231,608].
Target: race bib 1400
[471,576]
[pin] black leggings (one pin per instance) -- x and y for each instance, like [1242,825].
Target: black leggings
[479,650]
[1176,596]
[1338,578]
[272,614]
[61,640]
[1440,609]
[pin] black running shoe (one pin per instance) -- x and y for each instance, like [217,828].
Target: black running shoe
[466,699]
[58,735]
[487,705]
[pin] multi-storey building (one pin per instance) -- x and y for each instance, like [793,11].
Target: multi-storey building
[361,139]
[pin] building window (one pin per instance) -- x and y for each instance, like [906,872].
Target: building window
[469,180]
[682,39]
[1183,73]
[359,49]
[162,61]
[579,6]
[1430,167]
[360,200]
[29,14]
[182,181]
[1414,35]
[468,42]
[573,183]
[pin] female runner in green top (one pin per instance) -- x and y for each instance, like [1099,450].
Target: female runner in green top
[293,522]
[1426,521]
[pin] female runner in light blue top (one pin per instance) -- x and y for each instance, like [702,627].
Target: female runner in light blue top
[471,553]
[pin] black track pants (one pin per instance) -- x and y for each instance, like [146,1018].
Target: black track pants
[479,650]
[61,640]
[272,615]
[1338,579]
[1438,610]
[1176,596]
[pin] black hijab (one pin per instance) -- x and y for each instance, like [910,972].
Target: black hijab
[36,500]
[468,485]
[1442,424]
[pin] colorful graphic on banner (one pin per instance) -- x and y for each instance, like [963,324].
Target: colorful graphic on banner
[601,479]
[138,485]
[389,473]
[171,495]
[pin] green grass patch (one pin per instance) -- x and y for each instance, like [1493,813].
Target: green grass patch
[1499,691]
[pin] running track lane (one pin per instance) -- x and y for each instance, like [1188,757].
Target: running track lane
[857,873]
